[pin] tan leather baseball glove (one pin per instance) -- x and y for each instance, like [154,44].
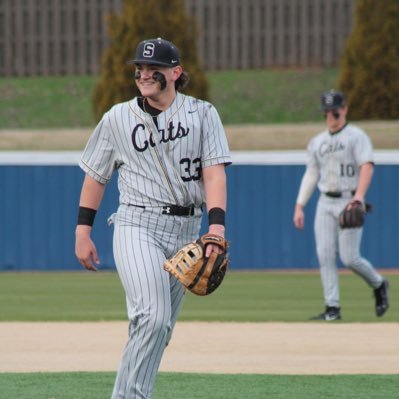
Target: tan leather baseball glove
[199,274]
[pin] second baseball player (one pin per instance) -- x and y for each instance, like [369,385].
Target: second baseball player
[341,164]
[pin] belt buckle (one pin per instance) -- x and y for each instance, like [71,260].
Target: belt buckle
[166,210]
[178,210]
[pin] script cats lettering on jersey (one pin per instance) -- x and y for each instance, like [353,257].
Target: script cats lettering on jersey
[141,141]
[328,148]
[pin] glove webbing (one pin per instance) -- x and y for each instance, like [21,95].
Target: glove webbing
[198,276]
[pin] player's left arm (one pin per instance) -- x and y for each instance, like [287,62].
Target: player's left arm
[364,157]
[365,175]
[216,198]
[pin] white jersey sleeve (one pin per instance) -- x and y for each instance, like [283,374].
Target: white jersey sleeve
[215,148]
[98,159]
[362,146]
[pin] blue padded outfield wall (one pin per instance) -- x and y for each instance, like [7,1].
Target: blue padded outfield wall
[39,195]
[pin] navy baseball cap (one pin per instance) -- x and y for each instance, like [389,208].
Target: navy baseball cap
[332,100]
[156,52]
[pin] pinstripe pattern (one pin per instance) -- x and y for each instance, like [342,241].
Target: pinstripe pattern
[158,163]
[330,239]
[337,158]
[189,136]
[153,297]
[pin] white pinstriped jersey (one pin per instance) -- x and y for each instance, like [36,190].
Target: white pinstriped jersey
[158,163]
[337,157]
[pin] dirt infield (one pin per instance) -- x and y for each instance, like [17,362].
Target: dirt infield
[262,348]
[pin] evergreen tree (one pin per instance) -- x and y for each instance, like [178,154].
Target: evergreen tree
[139,20]
[369,74]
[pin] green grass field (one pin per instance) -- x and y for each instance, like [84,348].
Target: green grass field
[260,96]
[270,96]
[244,296]
[203,386]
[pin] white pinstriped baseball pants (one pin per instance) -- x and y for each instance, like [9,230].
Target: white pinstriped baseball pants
[143,239]
[330,240]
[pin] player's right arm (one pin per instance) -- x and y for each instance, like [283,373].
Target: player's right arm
[90,198]
[308,184]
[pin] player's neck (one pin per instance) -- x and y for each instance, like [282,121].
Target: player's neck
[334,129]
[163,101]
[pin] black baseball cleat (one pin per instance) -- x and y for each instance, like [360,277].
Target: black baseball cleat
[381,299]
[331,313]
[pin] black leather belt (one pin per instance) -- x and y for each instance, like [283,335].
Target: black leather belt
[336,194]
[176,210]
[173,210]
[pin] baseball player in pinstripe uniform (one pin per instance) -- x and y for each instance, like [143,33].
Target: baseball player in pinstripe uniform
[170,151]
[340,163]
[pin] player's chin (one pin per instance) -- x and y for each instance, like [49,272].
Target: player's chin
[332,124]
[148,89]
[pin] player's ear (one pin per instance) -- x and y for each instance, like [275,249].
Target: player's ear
[177,71]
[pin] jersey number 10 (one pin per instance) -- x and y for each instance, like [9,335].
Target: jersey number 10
[347,170]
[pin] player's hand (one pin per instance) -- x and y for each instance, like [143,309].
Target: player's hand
[299,217]
[356,198]
[217,229]
[85,250]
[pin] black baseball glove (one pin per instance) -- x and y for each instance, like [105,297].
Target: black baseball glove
[354,214]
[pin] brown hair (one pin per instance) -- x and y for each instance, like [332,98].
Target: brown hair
[182,82]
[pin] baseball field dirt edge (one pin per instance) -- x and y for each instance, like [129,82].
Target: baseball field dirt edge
[261,348]
[249,137]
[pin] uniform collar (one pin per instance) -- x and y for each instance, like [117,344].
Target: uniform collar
[340,130]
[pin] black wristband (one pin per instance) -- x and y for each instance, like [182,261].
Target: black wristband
[86,216]
[216,216]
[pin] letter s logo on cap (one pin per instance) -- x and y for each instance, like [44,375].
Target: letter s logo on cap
[148,50]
